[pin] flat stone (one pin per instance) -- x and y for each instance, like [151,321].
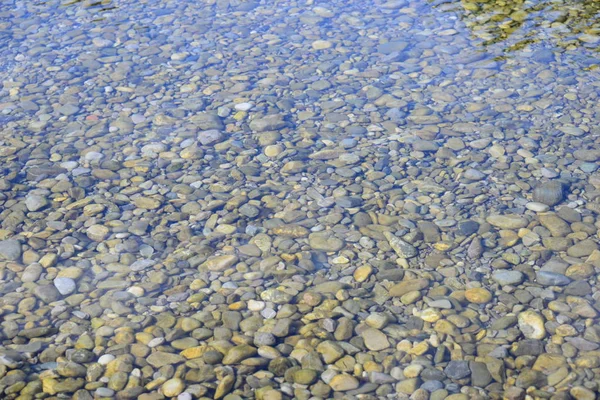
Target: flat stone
[159,359]
[47,293]
[219,263]
[325,241]
[65,286]
[239,353]
[507,221]
[343,383]
[547,278]
[321,44]
[583,248]
[147,203]
[404,287]
[375,340]
[505,278]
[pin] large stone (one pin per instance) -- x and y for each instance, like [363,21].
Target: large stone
[173,387]
[532,325]
[478,295]
[210,137]
[508,277]
[480,376]
[330,351]
[548,363]
[457,369]
[97,232]
[65,286]
[549,193]
[277,296]
[10,250]
[583,248]
[47,293]
[305,376]
[147,203]
[237,354]
[35,202]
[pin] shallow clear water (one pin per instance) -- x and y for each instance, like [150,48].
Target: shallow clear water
[276,199]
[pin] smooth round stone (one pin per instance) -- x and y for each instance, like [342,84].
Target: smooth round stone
[137,118]
[32,272]
[35,202]
[10,250]
[537,207]
[305,376]
[104,392]
[243,106]
[173,387]
[273,150]
[321,44]
[93,156]
[65,286]
[505,278]
[105,359]
[478,295]
[97,232]
[413,370]
[257,306]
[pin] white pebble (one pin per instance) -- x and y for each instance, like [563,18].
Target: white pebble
[105,359]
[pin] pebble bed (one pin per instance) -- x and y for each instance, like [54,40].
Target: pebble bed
[229,199]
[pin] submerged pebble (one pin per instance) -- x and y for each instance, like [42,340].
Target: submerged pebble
[229,199]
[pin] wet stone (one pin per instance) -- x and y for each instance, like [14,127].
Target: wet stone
[457,370]
[549,193]
[10,250]
[35,202]
[47,293]
[225,200]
